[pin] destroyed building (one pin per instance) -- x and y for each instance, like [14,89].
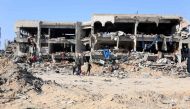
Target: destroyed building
[120,33]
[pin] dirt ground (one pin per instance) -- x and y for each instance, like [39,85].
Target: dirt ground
[65,91]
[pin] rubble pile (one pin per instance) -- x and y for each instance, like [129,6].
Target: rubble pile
[136,59]
[10,49]
[16,81]
[116,73]
[167,66]
[4,65]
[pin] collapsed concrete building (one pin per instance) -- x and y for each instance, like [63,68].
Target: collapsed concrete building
[120,33]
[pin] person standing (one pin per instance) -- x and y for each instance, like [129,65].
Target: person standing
[188,61]
[186,51]
[74,68]
[89,66]
[78,69]
[53,57]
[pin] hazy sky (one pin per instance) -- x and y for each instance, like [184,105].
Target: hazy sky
[81,10]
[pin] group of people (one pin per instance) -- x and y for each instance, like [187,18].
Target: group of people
[77,69]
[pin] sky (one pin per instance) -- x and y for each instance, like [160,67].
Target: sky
[80,10]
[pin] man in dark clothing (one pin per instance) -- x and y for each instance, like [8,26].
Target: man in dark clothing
[74,68]
[188,65]
[186,51]
[89,66]
[188,61]
[78,69]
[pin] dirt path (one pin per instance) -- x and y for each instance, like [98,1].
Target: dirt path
[92,92]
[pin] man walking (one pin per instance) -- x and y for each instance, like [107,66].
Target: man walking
[188,62]
[89,66]
[74,68]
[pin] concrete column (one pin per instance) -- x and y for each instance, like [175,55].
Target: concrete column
[39,38]
[164,44]
[78,30]
[180,44]
[78,37]
[18,44]
[135,36]
[18,32]
[49,45]
[71,47]
[117,42]
[91,47]
[156,45]
[179,50]
[18,49]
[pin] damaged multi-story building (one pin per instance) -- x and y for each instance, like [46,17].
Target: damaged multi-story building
[120,33]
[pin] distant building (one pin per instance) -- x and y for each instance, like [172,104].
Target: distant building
[121,33]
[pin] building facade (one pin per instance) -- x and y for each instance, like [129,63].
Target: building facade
[120,33]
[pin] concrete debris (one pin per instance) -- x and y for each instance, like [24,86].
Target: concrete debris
[115,74]
[17,81]
[10,49]
[167,66]
[164,61]
[187,98]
